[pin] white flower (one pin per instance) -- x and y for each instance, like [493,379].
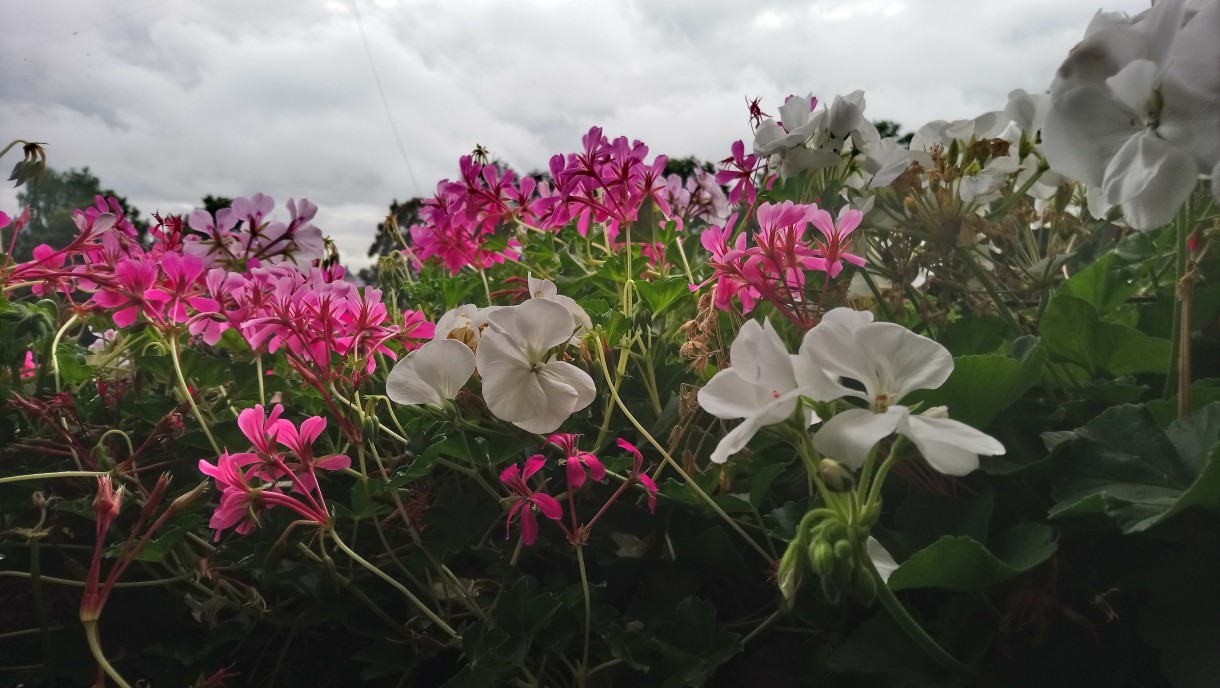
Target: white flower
[885,160]
[432,374]
[464,323]
[761,387]
[521,384]
[888,361]
[546,289]
[1135,109]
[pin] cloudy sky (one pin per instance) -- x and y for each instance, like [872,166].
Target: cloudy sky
[169,100]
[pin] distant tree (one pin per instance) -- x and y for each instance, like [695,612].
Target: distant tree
[685,167]
[52,198]
[213,203]
[890,128]
[386,240]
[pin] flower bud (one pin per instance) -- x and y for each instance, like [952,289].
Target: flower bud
[836,476]
[822,556]
[842,550]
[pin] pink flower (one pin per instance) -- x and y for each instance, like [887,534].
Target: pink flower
[834,248]
[126,297]
[639,475]
[527,499]
[577,462]
[742,172]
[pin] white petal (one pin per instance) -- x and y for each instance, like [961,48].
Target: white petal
[882,560]
[777,411]
[404,386]
[850,435]
[728,395]
[1150,179]
[456,319]
[511,390]
[445,365]
[1084,129]
[949,446]
[536,325]
[560,373]
[1134,84]
[541,288]
[903,360]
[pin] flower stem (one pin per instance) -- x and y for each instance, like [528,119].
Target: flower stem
[95,646]
[54,474]
[440,623]
[908,624]
[601,359]
[190,398]
[584,586]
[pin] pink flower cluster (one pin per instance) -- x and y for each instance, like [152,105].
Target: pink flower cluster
[607,182]
[774,268]
[262,284]
[242,236]
[579,465]
[266,476]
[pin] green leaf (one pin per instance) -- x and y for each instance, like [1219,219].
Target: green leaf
[1103,285]
[1072,329]
[882,654]
[983,386]
[663,293]
[1123,464]
[962,564]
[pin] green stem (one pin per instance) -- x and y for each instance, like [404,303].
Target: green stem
[190,398]
[584,586]
[55,474]
[55,351]
[601,359]
[440,623]
[35,576]
[762,626]
[1176,348]
[908,624]
[95,646]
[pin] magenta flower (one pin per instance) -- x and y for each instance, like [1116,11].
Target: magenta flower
[834,248]
[527,499]
[739,168]
[133,279]
[639,475]
[577,462]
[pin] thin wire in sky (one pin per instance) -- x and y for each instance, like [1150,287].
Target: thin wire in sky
[384,102]
[87,29]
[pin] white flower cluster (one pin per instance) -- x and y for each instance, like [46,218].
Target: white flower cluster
[883,361]
[1135,109]
[515,349]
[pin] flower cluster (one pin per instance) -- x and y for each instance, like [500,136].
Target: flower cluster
[1135,109]
[774,268]
[517,353]
[607,182]
[846,355]
[266,476]
[579,466]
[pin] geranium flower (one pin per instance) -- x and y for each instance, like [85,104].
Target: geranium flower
[888,361]
[760,387]
[432,374]
[1134,109]
[523,383]
[637,473]
[527,500]
[577,462]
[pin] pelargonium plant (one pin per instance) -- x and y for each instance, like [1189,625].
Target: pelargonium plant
[848,410]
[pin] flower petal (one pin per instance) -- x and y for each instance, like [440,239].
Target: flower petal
[445,365]
[850,435]
[949,446]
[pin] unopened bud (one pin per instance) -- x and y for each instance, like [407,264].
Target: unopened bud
[822,556]
[186,499]
[936,412]
[836,476]
[108,501]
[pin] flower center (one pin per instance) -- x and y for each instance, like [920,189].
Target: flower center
[882,402]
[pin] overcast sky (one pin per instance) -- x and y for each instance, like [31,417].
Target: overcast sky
[169,100]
